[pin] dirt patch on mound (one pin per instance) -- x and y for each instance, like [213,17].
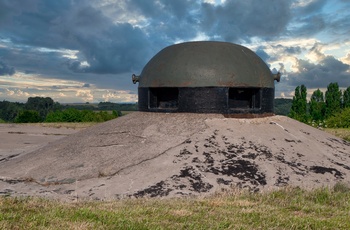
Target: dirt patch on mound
[167,155]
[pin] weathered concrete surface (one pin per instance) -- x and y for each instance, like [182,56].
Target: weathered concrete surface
[158,154]
[20,139]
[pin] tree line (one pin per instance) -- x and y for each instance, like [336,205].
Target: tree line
[45,109]
[331,109]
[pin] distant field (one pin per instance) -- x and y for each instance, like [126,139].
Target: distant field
[127,112]
[71,125]
[342,133]
[339,132]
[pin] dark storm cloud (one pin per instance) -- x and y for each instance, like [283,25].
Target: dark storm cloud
[320,75]
[241,20]
[313,7]
[29,72]
[34,26]
[168,20]
[6,70]
[106,46]
[290,49]
[159,9]
[278,51]
[108,50]
[262,54]
[30,60]
[308,26]
[109,47]
[9,8]
[117,49]
[340,26]
[312,19]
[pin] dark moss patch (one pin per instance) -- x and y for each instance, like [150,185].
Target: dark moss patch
[158,190]
[195,179]
[323,170]
[223,181]
[242,169]
[282,181]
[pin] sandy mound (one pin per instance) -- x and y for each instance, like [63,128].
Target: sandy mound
[157,154]
[19,139]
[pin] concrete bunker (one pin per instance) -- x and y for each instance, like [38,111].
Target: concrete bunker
[207,77]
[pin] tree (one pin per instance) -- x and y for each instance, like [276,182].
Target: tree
[10,110]
[41,104]
[346,98]
[333,99]
[317,106]
[28,116]
[282,106]
[299,104]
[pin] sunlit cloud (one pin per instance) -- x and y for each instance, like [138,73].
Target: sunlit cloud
[22,81]
[119,95]
[346,59]
[21,86]
[86,95]
[18,93]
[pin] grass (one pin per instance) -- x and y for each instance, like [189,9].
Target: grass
[70,125]
[289,208]
[126,112]
[343,133]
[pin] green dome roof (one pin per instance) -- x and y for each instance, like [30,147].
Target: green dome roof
[206,64]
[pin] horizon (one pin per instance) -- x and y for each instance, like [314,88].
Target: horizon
[92,103]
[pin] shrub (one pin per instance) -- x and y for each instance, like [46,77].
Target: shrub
[28,116]
[74,115]
[339,120]
[54,117]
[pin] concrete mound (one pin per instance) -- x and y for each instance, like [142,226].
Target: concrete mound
[182,154]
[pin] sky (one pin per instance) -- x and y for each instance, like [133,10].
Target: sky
[87,50]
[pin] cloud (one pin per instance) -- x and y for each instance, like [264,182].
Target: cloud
[262,54]
[19,93]
[86,95]
[313,18]
[9,8]
[241,20]
[346,59]
[98,44]
[319,75]
[6,70]
[120,95]
[106,46]
[10,92]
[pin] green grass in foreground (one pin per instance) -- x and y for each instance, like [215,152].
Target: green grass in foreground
[290,208]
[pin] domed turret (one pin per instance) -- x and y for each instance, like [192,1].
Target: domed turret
[206,77]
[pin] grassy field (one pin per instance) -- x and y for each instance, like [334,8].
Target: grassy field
[70,125]
[126,112]
[342,133]
[289,208]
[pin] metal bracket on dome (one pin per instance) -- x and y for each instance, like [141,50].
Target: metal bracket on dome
[277,76]
[135,78]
